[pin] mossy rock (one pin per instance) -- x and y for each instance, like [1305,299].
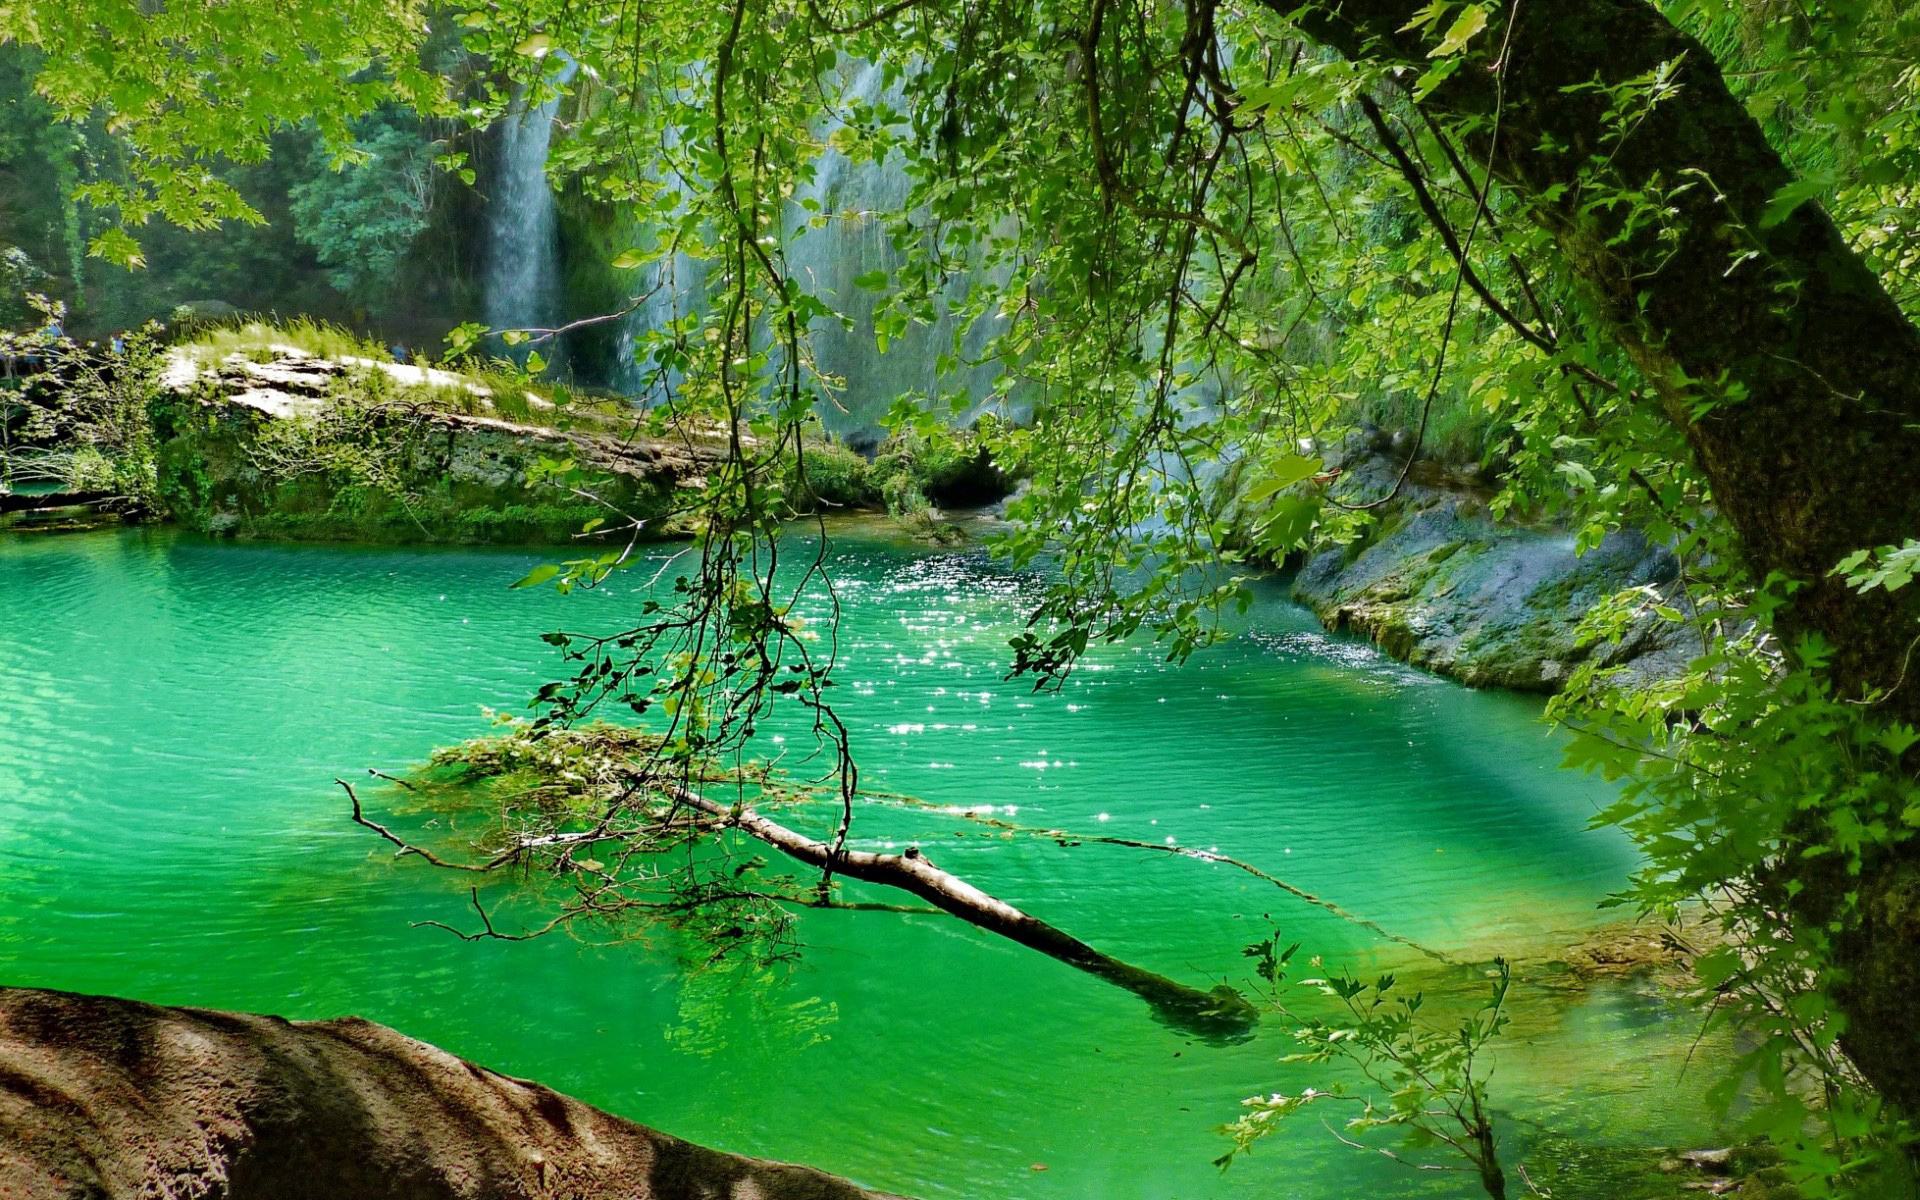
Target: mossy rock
[401,474]
[1490,605]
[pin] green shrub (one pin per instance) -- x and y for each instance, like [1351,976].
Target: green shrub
[836,477]
[950,469]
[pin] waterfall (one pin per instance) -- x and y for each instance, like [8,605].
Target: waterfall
[837,228]
[857,198]
[669,290]
[522,280]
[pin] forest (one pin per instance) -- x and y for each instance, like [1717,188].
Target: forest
[1078,598]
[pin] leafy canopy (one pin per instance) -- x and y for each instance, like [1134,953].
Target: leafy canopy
[1191,246]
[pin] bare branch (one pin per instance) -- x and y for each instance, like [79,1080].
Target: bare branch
[406,847]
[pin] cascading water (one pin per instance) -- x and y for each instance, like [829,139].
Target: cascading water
[838,228]
[522,273]
[671,290]
[855,199]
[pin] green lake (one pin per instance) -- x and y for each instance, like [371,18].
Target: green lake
[173,712]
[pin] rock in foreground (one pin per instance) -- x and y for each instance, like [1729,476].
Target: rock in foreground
[105,1098]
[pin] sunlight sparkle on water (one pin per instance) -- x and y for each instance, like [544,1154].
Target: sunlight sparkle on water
[260,894]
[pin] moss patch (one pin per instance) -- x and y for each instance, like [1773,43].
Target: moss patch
[358,467]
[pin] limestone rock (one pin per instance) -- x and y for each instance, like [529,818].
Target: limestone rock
[1445,587]
[439,459]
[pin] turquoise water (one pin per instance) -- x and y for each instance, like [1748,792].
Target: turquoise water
[173,712]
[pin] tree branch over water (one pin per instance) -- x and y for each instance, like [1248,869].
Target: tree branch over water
[642,814]
[1219,1013]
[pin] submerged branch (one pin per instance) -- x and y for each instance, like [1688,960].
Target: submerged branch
[1296,892]
[1219,1014]
[406,847]
[1209,856]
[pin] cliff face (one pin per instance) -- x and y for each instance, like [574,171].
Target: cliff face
[103,1098]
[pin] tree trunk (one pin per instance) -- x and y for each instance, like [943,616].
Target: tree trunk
[1815,455]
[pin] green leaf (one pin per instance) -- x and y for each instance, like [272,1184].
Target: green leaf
[1434,76]
[1851,562]
[1578,474]
[1427,16]
[1462,31]
[462,338]
[117,246]
[1283,472]
[538,576]
[1286,527]
[1790,197]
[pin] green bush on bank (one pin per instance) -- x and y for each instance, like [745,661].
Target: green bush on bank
[835,477]
[81,422]
[378,458]
[366,470]
[911,474]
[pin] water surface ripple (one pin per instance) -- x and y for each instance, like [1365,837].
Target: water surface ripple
[173,710]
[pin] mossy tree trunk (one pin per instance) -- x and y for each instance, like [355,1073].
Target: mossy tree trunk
[1793,374]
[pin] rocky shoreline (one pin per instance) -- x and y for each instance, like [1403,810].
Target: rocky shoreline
[1439,583]
[274,441]
[278,442]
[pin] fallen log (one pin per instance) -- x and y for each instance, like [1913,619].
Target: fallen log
[103,1098]
[14,502]
[1220,1014]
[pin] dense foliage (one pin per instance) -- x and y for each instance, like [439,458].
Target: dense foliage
[1195,242]
[362,222]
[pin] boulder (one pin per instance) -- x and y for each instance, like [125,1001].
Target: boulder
[103,1098]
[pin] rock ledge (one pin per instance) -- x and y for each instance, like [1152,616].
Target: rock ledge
[103,1098]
